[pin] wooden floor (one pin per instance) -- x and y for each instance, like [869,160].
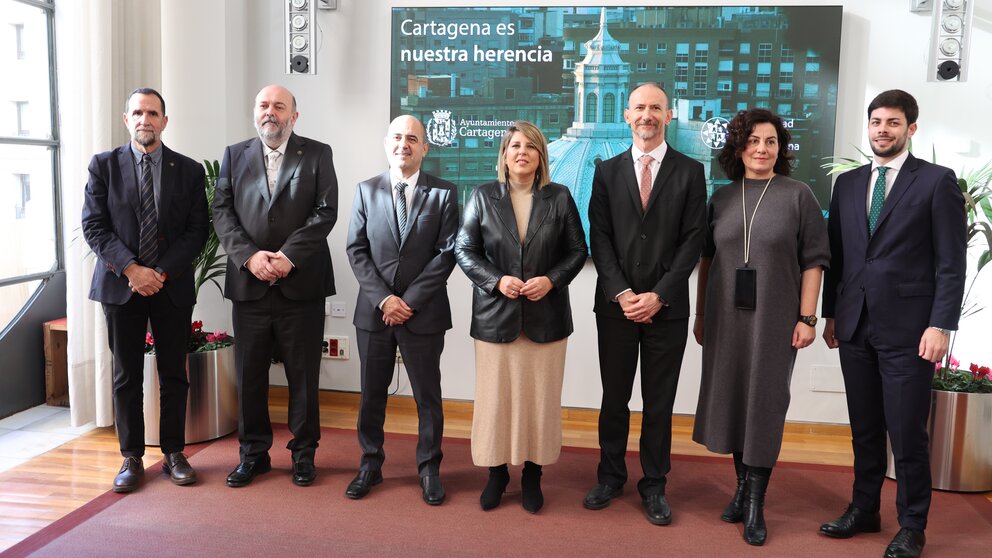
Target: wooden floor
[48,487]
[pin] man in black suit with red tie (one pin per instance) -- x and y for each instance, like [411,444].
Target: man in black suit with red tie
[275,204]
[145,217]
[646,230]
[898,243]
[400,244]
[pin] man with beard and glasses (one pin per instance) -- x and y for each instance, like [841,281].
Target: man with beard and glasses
[892,293]
[275,204]
[400,244]
[646,231]
[145,217]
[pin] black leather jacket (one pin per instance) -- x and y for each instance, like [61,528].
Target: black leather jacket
[488,247]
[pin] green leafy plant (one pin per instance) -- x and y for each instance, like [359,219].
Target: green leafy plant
[209,265]
[975,187]
[199,341]
[949,377]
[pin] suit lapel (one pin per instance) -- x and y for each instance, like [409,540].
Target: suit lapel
[255,164]
[504,209]
[906,176]
[125,162]
[538,213]
[291,160]
[859,198]
[168,185]
[630,180]
[667,165]
[383,200]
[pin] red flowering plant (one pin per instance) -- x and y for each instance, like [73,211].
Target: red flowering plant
[199,341]
[948,376]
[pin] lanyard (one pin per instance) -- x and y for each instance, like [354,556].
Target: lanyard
[747,228]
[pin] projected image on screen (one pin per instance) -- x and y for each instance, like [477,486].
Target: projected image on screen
[468,72]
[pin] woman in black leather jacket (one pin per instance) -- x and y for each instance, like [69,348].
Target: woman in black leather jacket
[521,243]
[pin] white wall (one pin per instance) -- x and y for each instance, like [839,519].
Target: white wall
[212,73]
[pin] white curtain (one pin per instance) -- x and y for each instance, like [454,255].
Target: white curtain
[84,38]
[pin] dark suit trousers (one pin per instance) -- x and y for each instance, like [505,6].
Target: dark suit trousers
[888,389]
[422,359]
[126,327]
[296,328]
[661,345]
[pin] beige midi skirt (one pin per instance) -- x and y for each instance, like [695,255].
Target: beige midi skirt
[517,402]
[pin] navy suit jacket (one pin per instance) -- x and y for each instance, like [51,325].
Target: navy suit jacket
[910,274]
[647,250]
[111,223]
[295,218]
[417,269]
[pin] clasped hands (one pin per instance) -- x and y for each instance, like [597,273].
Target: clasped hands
[639,308]
[534,288]
[269,266]
[143,280]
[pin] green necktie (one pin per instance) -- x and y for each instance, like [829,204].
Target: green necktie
[877,200]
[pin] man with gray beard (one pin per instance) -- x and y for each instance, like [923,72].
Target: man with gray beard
[275,204]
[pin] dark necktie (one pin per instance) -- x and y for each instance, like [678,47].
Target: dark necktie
[877,200]
[148,245]
[401,209]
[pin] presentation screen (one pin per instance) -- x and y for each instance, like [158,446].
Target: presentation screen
[467,73]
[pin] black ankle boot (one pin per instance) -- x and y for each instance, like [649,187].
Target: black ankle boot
[755,531]
[530,485]
[734,512]
[492,495]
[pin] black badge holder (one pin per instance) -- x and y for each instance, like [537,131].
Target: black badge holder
[746,278]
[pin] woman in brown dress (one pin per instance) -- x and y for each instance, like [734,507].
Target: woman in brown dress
[767,233]
[521,243]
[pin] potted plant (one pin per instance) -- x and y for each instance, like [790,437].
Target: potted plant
[961,412]
[212,405]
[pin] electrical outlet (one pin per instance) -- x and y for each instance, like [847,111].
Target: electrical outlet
[335,346]
[339,310]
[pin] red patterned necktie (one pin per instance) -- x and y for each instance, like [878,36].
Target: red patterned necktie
[645,161]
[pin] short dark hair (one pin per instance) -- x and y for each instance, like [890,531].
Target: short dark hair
[897,99]
[739,130]
[144,91]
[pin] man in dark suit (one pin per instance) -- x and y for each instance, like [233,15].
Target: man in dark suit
[145,217]
[646,226]
[898,243]
[275,204]
[402,259]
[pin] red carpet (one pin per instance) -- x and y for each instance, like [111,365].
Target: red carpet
[272,517]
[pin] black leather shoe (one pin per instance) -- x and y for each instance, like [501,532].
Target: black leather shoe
[599,497]
[304,472]
[130,475]
[854,521]
[178,468]
[362,484]
[492,494]
[433,489]
[908,543]
[246,471]
[657,510]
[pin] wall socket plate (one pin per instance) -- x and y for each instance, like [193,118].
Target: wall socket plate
[335,347]
[339,310]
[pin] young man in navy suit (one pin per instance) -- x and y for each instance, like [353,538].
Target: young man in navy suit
[145,217]
[402,259]
[898,243]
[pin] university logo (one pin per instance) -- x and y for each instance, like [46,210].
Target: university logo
[441,129]
[714,132]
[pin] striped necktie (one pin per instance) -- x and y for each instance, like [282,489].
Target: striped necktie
[148,244]
[401,209]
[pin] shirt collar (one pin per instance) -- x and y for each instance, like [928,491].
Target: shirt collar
[396,177]
[281,149]
[156,156]
[893,165]
[658,153]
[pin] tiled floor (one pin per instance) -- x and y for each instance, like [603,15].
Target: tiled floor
[32,432]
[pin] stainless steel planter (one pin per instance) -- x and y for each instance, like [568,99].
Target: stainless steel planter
[212,405]
[960,442]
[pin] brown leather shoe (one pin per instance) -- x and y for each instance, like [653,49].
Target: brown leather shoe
[130,475]
[178,468]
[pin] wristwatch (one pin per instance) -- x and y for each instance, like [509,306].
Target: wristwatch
[808,320]
[942,330]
